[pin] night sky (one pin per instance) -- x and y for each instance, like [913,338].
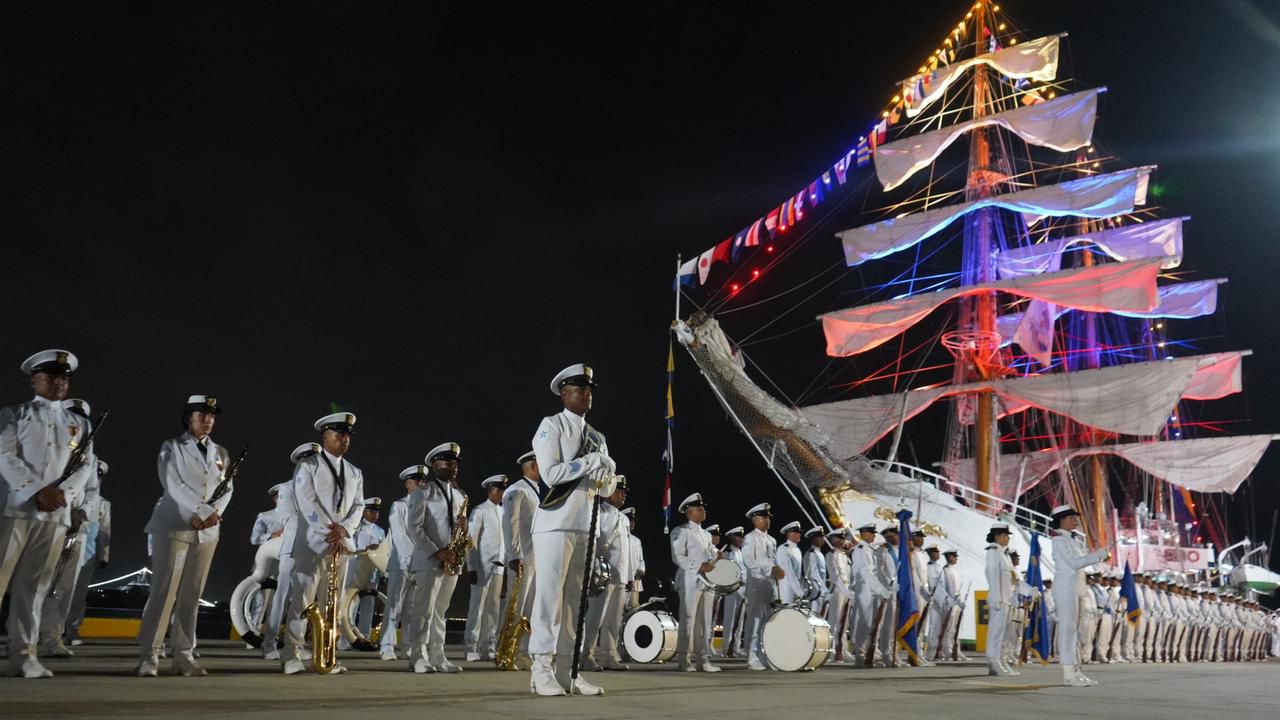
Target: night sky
[421,216]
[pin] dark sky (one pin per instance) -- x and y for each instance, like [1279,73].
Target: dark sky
[421,215]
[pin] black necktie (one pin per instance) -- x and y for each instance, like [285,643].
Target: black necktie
[339,479]
[448,502]
[203,448]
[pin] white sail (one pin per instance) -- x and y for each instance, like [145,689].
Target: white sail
[1129,286]
[1129,399]
[1035,60]
[1096,196]
[1158,238]
[1064,124]
[1213,464]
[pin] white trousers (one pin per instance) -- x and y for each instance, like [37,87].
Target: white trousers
[428,613]
[179,571]
[887,637]
[997,626]
[53,616]
[760,594]
[28,551]
[731,625]
[1102,643]
[838,618]
[562,557]
[80,598]
[1068,637]
[937,629]
[279,602]
[482,613]
[695,619]
[604,623]
[397,585]
[309,585]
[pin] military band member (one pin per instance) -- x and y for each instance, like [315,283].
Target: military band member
[285,586]
[933,579]
[329,494]
[434,513]
[398,566]
[635,559]
[869,589]
[731,632]
[1092,615]
[790,587]
[920,586]
[946,608]
[693,552]
[842,600]
[519,502]
[887,569]
[485,566]
[36,440]
[709,637]
[815,568]
[97,555]
[1000,598]
[269,524]
[604,611]
[367,538]
[575,464]
[759,552]
[67,568]
[1070,559]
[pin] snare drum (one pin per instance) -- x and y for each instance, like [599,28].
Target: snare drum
[650,636]
[795,639]
[724,578]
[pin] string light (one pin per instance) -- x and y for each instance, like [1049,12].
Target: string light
[768,248]
[735,287]
[1000,26]
[755,274]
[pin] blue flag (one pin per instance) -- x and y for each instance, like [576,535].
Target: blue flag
[1036,637]
[1129,591]
[908,613]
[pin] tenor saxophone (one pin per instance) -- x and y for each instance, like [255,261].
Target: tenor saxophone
[513,627]
[324,625]
[459,541]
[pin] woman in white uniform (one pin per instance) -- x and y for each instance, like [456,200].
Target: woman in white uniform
[1070,560]
[1000,598]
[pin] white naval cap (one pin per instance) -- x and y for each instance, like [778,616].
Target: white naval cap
[735,531]
[1063,511]
[577,374]
[694,500]
[77,406]
[53,362]
[793,526]
[932,547]
[867,527]
[762,509]
[815,530]
[1000,527]
[629,512]
[338,422]
[837,532]
[444,451]
[712,529]
[102,467]
[891,527]
[305,450]
[531,455]
[202,403]
[415,471]
[373,503]
[492,480]
[950,551]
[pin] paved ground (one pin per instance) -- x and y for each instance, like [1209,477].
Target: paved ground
[98,683]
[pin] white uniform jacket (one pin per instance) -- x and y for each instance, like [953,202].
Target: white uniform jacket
[321,502]
[401,543]
[791,562]
[815,568]
[690,547]
[865,577]
[189,479]
[519,502]
[556,444]
[267,522]
[36,440]
[758,552]
[636,561]
[999,578]
[489,548]
[433,510]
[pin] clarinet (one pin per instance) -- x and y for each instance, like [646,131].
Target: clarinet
[228,479]
[81,451]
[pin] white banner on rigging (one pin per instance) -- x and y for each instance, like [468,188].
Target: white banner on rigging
[1034,60]
[1096,196]
[1064,124]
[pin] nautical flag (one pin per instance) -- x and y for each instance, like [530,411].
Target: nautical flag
[689,273]
[788,214]
[771,222]
[1129,591]
[753,235]
[704,265]
[879,134]
[1036,637]
[826,178]
[815,193]
[908,613]
[842,167]
[739,242]
[863,152]
[894,116]
[668,456]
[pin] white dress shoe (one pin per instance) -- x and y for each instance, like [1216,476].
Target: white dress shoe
[545,684]
[754,664]
[55,648]
[421,666]
[612,664]
[337,670]
[445,666]
[147,667]
[582,687]
[387,653]
[189,669]
[29,667]
[473,657]
[294,666]
[589,664]
[272,654]
[77,642]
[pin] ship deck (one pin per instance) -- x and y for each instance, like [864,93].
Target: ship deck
[98,683]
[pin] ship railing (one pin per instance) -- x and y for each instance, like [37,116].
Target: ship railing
[981,501]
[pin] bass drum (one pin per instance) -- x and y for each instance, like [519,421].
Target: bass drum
[650,636]
[724,578]
[794,639]
[252,597]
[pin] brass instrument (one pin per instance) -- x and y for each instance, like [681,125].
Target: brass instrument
[324,625]
[459,541]
[513,627]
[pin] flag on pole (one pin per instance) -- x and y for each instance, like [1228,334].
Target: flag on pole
[908,613]
[1036,637]
[1129,591]
[668,455]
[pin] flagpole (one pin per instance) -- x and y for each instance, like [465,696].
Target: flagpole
[677,287]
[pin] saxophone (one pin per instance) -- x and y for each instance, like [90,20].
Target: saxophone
[459,541]
[515,626]
[324,625]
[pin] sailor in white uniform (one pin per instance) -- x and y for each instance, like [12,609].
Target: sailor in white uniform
[759,552]
[815,568]
[36,440]
[887,570]
[791,587]
[329,494]
[97,555]
[636,562]
[731,633]
[693,552]
[288,510]
[574,461]
[604,611]
[709,636]
[398,566]
[519,502]
[486,563]
[269,524]
[367,538]
[1070,559]
[435,511]
[842,599]
[931,608]
[869,589]
[1000,598]
[185,526]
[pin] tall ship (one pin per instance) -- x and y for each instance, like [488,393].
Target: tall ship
[999,328]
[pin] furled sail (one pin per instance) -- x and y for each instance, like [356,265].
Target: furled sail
[1036,60]
[1131,399]
[1096,196]
[1064,124]
[1129,286]
[1158,238]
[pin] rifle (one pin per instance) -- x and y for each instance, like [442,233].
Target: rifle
[1022,636]
[228,478]
[955,636]
[81,451]
[875,630]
